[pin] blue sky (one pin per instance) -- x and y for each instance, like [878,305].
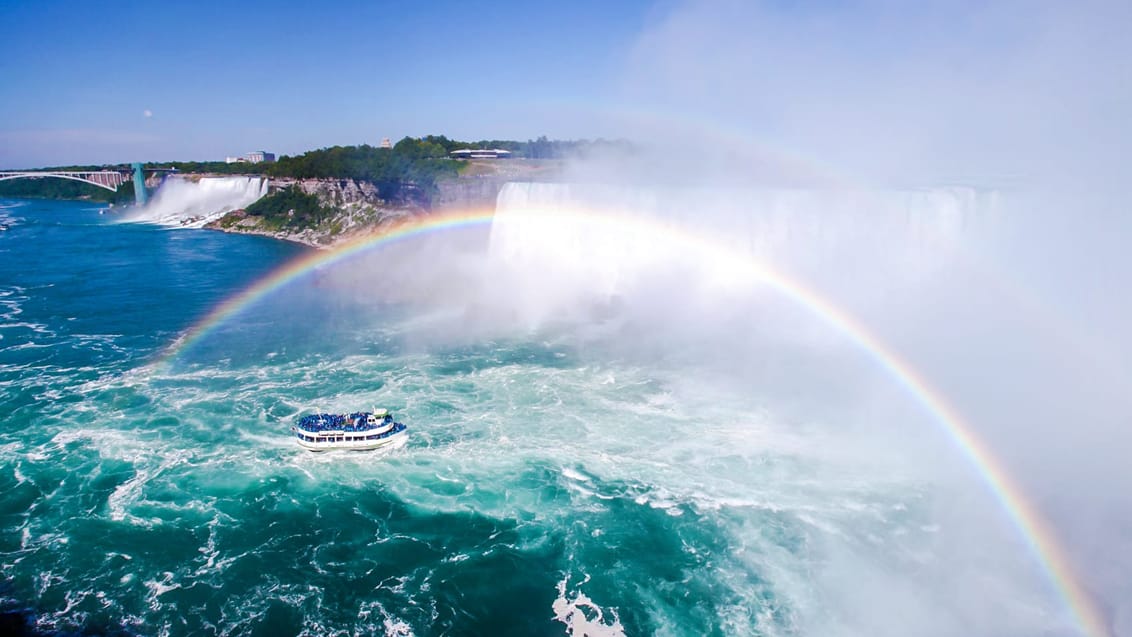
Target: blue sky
[226,77]
[862,89]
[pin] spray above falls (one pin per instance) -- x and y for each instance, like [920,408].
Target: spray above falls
[194,202]
[880,236]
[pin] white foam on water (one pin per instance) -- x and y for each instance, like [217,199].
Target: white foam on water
[574,475]
[494,432]
[12,305]
[582,617]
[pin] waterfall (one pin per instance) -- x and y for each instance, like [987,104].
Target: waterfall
[193,202]
[876,233]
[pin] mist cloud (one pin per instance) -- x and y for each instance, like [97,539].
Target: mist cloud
[1024,325]
[945,172]
[924,91]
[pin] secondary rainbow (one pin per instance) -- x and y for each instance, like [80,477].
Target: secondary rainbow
[1034,530]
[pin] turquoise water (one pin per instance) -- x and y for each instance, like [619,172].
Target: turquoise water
[546,488]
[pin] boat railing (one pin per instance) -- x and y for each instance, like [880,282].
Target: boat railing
[355,422]
[331,433]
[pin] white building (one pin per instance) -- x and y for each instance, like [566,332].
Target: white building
[385,143]
[257,156]
[254,157]
[480,153]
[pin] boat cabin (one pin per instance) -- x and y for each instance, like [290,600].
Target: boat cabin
[365,430]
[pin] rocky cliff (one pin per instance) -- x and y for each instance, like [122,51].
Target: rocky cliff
[357,208]
[467,193]
[480,181]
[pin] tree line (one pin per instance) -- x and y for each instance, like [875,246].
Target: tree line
[407,172]
[55,188]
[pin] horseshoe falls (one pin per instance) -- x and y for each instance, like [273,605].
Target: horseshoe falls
[611,432]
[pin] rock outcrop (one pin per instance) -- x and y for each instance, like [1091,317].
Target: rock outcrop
[358,209]
[361,208]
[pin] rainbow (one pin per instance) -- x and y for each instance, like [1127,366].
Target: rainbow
[296,268]
[1039,538]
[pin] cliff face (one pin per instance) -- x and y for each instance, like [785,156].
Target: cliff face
[467,193]
[358,208]
[333,192]
[480,181]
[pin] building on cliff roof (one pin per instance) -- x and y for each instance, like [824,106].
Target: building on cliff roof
[254,157]
[480,153]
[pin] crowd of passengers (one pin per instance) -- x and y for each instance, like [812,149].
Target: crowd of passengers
[339,422]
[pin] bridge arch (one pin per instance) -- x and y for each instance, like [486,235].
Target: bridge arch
[108,179]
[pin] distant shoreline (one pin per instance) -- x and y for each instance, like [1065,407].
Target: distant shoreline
[326,212]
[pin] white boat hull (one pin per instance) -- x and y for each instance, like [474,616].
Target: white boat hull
[355,442]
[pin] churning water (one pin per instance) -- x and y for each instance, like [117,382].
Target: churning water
[606,473]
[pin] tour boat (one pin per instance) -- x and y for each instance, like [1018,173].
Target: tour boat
[358,431]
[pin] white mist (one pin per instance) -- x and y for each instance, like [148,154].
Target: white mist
[195,202]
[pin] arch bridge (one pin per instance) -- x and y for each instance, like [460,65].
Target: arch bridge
[110,179]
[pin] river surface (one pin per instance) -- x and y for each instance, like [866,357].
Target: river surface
[547,488]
